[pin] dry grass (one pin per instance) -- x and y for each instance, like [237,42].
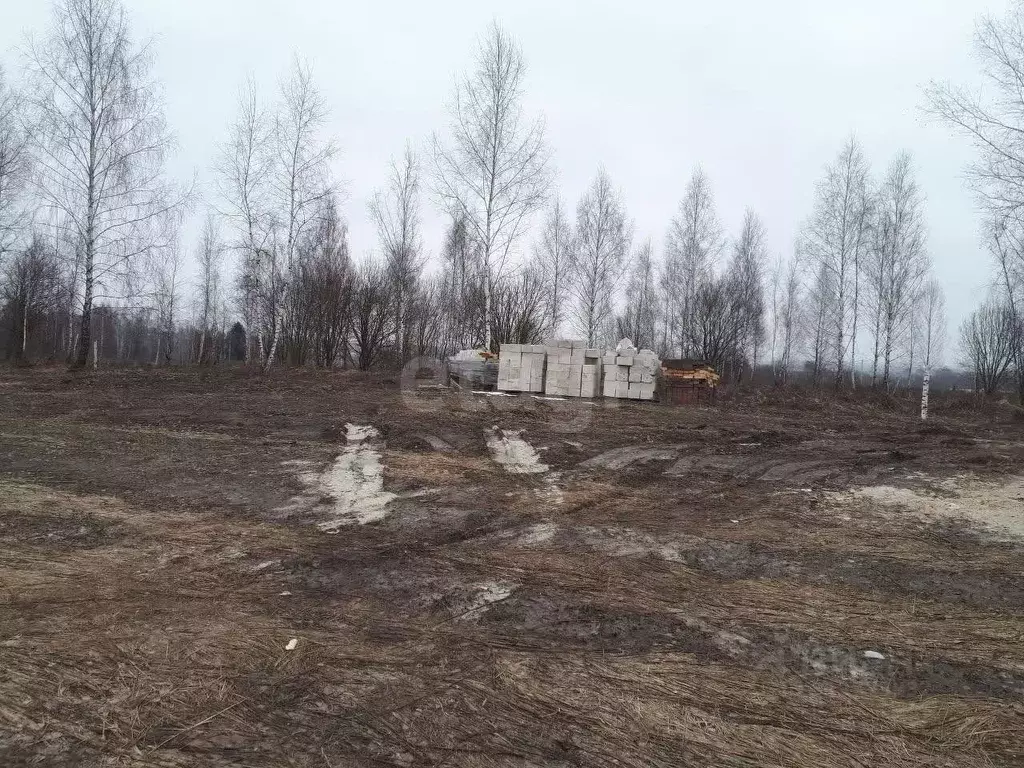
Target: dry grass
[163,648]
[138,632]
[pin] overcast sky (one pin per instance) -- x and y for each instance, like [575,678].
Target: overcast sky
[762,94]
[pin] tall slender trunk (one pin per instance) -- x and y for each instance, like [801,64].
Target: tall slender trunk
[24,327]
[874,364]
[85,332]
[856,307]
[90,216]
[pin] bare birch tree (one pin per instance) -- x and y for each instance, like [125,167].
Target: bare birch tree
[816,319]
[694,243]
[639,319]
[993,117]
[29,288]
[395,212]
[747,270]
[494,169]
[601,244]
[553,256]
[987,338]
[460,290]
[14,166]
[1006,242]
[168,276]
[786,317]
[243,176]
[209,259]
[372,319]
[933,323]
[836,239]
[101,141]
[299,180]
[899,262]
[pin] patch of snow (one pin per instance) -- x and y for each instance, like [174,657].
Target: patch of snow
[537,534]
[292,644]
[550,490]
[355,433]
[493,394]
[513,453]
[354,483]
[873,655]
[487,593]
[996,506]
[266,564]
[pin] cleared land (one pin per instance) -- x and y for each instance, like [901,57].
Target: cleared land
[488,581]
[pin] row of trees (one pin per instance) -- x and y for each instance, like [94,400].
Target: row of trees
[92,263]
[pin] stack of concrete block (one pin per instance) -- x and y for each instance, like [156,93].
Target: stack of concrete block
[521,367]
[629,373]
[573,370]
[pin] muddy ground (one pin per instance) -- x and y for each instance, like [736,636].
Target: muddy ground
[214,568]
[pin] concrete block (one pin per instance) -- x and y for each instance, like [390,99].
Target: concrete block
[621,389]
[634,376]
[623,360]
[621,373]
[647,378]
[510,349]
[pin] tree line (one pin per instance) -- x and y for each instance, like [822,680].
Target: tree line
[92,263]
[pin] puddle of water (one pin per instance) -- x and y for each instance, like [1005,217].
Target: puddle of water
[513,453]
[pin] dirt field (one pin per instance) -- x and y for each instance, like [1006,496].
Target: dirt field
[211,569]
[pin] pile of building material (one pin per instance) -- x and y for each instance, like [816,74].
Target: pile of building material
[629,372]
[574,369]
[521,368]
[473,369]
[688,381]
